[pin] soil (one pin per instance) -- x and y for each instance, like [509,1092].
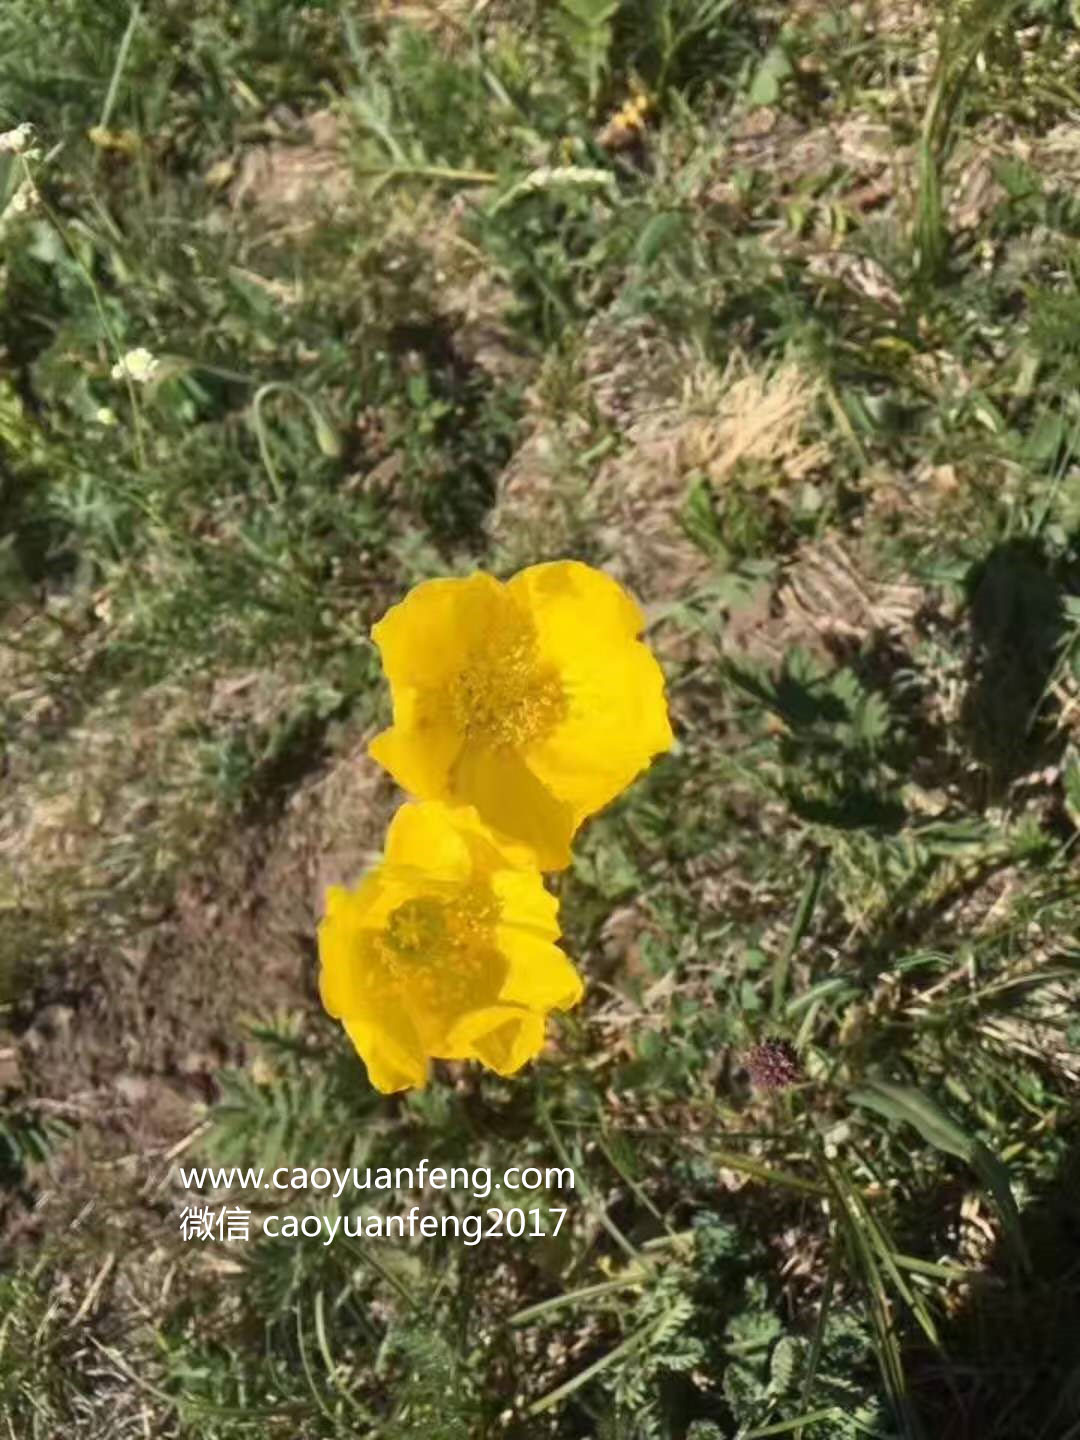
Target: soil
[127,1045]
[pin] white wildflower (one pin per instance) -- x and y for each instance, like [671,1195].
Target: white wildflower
[24,199]
[836,1138]
[17,141]
[22,202]
[105,415]
[138,365]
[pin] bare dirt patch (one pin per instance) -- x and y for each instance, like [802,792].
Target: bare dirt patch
[125,1040]
[293,182]
[826,601]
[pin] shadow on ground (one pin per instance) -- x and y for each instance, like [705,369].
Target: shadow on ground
[1017,624]
[462,431]
[1009,1368]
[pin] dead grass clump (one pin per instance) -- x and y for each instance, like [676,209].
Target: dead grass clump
[630,518]
[748,414]
[714,427]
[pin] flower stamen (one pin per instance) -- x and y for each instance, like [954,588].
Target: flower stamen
[441,952]
[504,694]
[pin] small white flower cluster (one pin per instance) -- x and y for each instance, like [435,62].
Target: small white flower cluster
[19,141]
[552,176]
[138,365]
[22,202]
[24,199]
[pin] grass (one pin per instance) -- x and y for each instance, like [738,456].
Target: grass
[796,358]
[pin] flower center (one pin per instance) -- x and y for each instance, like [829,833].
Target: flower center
[441,954]
[417,929]
[504,695]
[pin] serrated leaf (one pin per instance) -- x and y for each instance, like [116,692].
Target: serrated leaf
[784,1364]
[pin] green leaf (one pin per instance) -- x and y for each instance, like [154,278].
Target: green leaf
[1016,178]
[1046,439]
[585,28]
[660,232]
[590,12]
[1072,786]
[749,999]
[905,1103]
[765,86]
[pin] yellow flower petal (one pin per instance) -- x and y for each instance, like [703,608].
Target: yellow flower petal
[428,838]
[502,1037]
[345,976]
[617,722]
[421,639]
[368,906]
[513,801]
[421,746]
[573,605]
[540,976]
[493,853]
[391,1051]
[525,904]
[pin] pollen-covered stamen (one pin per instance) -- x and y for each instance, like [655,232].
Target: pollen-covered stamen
[441,954]
[417,929]
[471,916]
[504,694]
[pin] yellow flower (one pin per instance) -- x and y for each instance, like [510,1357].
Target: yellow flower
[533,700]
[446,950]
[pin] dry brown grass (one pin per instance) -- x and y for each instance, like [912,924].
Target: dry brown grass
[707,424]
